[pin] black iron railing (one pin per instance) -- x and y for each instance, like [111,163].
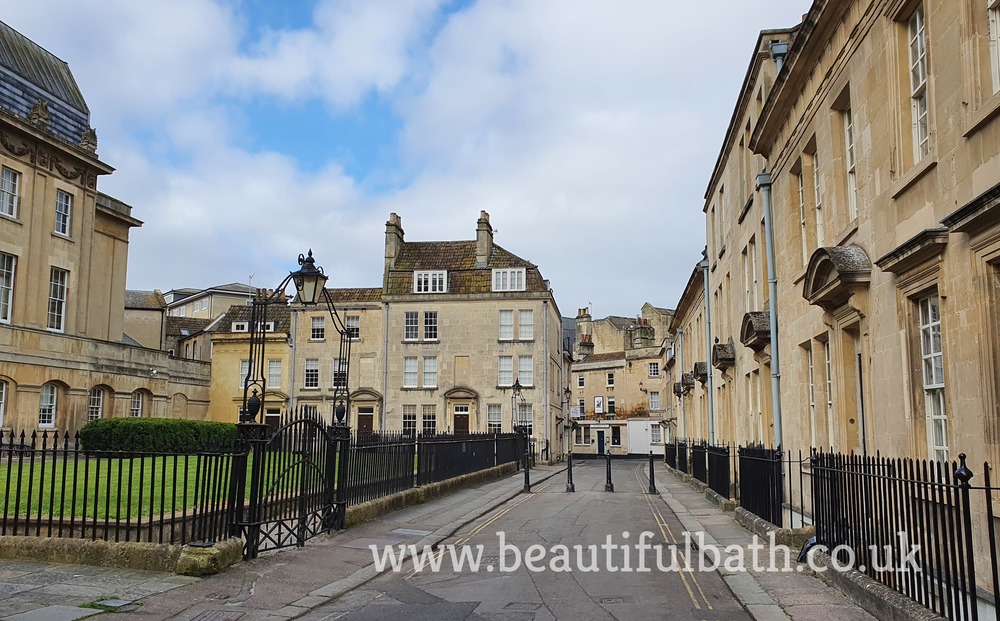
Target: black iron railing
[670,454]
[880,511]
[682,456]
[761,483]
[51,487]
[719,462]
[699,461]
[380,464]
[443,457]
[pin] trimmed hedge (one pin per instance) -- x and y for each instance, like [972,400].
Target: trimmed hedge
[156,435]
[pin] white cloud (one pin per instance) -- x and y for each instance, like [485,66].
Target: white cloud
[587,129]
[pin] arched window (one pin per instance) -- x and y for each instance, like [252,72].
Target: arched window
[47,405]
[137,404]
[95,407]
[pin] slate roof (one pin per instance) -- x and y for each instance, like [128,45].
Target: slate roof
[620,323]
[459,259]
[144,300]
[181,327]
[29,74]
[279,313]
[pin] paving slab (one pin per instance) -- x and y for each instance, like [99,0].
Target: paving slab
[53,613]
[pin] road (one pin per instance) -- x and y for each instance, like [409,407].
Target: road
[565,587]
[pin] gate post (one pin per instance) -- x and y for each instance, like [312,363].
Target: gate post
[338,439]
[245,520]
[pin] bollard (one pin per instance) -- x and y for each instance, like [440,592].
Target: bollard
[652,483]
[569,472]
[527,481]
[609,486]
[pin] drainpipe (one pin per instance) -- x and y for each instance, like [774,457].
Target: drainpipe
[764,185]
[778,51]
[291,371]
[385,365]
[708,349]
[680,365]
[545,376]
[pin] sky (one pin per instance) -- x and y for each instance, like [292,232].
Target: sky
[245,132]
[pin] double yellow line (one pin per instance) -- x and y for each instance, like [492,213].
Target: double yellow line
[687,577]
[482,526]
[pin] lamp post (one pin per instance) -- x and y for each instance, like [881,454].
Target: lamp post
[519,427]
[310,288]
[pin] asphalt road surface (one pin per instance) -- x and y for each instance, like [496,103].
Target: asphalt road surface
[586,580]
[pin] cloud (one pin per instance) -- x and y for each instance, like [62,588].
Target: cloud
[587,129]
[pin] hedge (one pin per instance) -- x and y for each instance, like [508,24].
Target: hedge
[155,435]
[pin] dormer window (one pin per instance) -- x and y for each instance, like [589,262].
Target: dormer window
[508,280]
[240,326]
[430,282]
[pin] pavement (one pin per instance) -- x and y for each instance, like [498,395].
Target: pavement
[333,577]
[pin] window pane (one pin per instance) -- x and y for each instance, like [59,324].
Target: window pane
[410,372]
[526,325]
[430,372]
[7,262]
[506,325]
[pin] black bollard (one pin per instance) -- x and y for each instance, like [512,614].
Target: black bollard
[527,481]
[652,483]
[609,486]
[569,473]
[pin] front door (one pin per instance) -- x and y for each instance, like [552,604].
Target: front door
[600,442]
[366,420]
[461,419]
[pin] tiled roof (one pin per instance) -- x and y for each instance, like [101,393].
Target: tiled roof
[614,355]
[279,313]
[185,326]
[347,294]
[459,259]
[146,300]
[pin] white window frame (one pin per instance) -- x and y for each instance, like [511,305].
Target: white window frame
[510,279]
[581,380]
[58,293]
[828,370]
[612,406]
[655,433]
[10,183]
[610,379]
[311,376]
[428,414]
[136,404]
[850,163]
[505,371]
[244,371]
[430,325]
[654,401]
[526,417]
[430,281]
[818,202]
[494,418]
[64,213]
[526,325]
[409,419]
[411,326]
[654,369]
[916,34]
[993,14]
[803,229]
[932,373]
[317,329]
[3,400]
[811,395]
[274,373]
[8,269]
[506,325]
[409,372]
[48,403]
[430,372]
[582,405]
[241,326]
[526,370]
[353,325]
[338,378]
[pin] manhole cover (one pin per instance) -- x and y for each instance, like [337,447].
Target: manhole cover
[612,600]
[218,615]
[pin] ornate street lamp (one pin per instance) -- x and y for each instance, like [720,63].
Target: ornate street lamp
[515,419]
[310,287]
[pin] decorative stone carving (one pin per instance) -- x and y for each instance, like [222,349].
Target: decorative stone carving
[701,372]
[39,115]
[89,140]
[834,274]
[65,172]
[17,150]
[724,355]
[755,332]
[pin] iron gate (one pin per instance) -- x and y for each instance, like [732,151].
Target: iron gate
[293,493]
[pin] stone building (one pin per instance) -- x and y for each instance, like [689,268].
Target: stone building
[619,373]
[437,348]
[63,253]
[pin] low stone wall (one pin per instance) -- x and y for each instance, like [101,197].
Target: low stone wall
[374,509]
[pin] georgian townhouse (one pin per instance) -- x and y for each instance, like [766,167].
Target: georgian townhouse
[64,359]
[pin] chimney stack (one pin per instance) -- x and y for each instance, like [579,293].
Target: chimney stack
[484,239]
[393,243]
